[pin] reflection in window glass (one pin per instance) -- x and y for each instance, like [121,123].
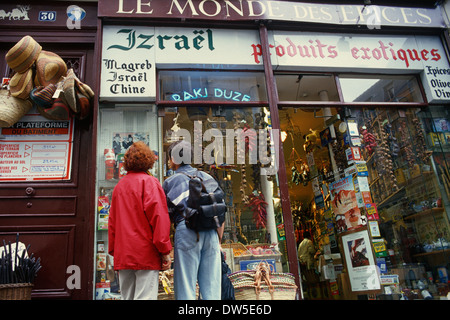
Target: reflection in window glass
[254,227]
[306,87]
[380,89]
[212,86]
[384,171]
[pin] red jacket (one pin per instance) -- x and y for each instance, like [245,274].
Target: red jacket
[139,224]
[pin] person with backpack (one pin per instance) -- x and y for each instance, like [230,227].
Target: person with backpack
[196,207]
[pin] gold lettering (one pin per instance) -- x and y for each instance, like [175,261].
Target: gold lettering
[297,13]
[180,9]
[324,11]
[362,12]
[427,18]
[312,12]
[121,8]
[406,12]
[139,5]
[271,13]
[345,13]
[229,4]
[252,11]
[201,7]
[385,16]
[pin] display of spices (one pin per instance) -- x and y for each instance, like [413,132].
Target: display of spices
[421,147]
[258,205]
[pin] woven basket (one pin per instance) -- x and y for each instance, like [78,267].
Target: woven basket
[12,109]
[16,291]
[244,286]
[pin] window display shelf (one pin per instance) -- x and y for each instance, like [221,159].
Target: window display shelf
[425,213]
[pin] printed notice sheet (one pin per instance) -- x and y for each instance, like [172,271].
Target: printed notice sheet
[36,148]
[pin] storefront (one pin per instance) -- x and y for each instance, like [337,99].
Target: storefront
[340,130]
[341,134]
[46,178]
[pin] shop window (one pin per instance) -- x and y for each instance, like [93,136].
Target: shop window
[372,188]
[254,228]
[306,87]
[194,86]
[380,88]
[119,127]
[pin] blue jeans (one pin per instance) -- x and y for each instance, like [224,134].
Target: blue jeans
[197,261]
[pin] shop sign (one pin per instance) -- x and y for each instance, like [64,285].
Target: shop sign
[368,53]
[36,148]
[212,94]
[128,64]
[371,16]
[130,54]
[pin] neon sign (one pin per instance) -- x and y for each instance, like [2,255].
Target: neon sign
[210,94]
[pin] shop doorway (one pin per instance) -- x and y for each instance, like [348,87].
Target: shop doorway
[55,217]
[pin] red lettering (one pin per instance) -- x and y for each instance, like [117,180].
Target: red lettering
[332,52]
[424,53]
[376,53]
[280,50]
[355,53]
[435,54]
[383,49]
[257,52]
[366,55]
[413,54]
[402,56]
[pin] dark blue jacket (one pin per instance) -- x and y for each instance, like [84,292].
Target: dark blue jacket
[176,188]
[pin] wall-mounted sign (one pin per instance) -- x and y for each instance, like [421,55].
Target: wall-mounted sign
[130,55]
[36,148]
[371,16]
[363,53]
[128,64]
[210,94]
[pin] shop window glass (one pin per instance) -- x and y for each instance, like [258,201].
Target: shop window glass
[119,127]
[306,87]
[378,179]
[232,87]
[380,88]
[254,229]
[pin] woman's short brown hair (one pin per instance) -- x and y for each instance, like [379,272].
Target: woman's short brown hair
[139,157]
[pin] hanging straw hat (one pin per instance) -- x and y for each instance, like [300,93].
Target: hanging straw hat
[84,89]
[12,109]
[23,54]
[70,91]
[83,105]
[43,96]
[21,84]
[50,67]
[58,111]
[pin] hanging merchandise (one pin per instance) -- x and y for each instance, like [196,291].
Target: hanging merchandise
[12,109]
[421,146]
[258,205]
[369,140]
[312,141]
[55,91]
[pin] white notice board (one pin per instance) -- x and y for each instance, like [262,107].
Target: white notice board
[36,149]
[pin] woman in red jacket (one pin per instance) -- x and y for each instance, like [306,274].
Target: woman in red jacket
[139,227]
